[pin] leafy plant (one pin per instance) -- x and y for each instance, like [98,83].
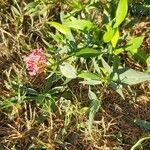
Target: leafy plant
[78,47]
[104,51]
[95,105]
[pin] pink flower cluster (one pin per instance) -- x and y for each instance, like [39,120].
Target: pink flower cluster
[36,62]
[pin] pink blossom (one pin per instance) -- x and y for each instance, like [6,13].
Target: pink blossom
[36,62]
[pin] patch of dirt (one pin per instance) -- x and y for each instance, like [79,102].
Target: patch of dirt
[118,118]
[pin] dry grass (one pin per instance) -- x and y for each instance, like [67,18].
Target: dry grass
[23,126]
[113,125]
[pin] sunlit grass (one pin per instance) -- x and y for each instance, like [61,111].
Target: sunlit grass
[65,81]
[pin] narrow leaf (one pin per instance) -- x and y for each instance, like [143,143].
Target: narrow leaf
[134,44]
[95,105]
[89,75]
[91,82]
[139,55]
[148,64]
[87,52]
[16,11]
[115,38]
[68,70]
[121,12]
[79,24]
[118,51]
[108,34]
[117,88]
[130,76]
[61,28]
[106,66]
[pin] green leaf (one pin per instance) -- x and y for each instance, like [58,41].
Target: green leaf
[95,105]
[91,82]
[91,78]
[31,91]
[118,51]
[117,88]
[108,34]
[61,28]
[130,76]
[148,64]
[142,124]
[79,24]
[7,103]
[106,66]
[89,75]
[96,65]
[87,52]
[115,38]
[140,55]
[134,44]
[68,70]
[121,12]
[133,51]
[16,11]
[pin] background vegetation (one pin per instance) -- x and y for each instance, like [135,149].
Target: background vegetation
[90,89]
